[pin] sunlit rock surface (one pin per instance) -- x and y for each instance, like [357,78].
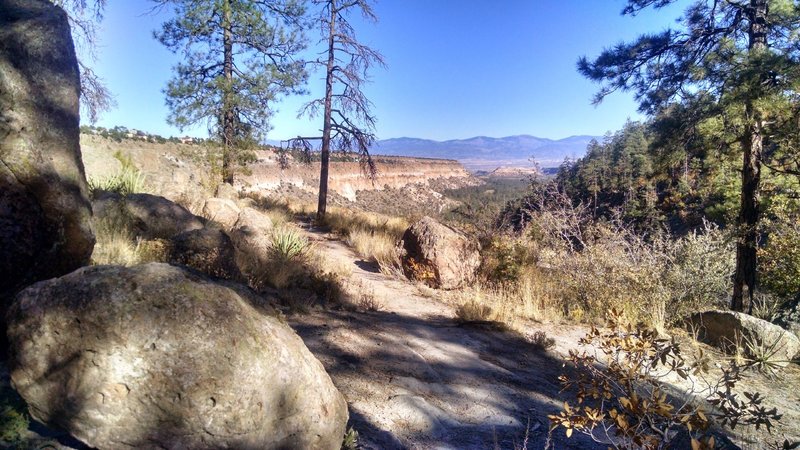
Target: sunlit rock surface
[154,356]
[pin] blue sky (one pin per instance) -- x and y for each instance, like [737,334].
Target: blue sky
[455,68]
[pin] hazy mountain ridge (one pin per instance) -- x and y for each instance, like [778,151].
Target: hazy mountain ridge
[487,153]
[482,152]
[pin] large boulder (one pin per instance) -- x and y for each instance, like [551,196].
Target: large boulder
[155,356]
[148,216]
[45,228]
[729,330]
[789,316]
[221,210]
[438,255]
[208,250]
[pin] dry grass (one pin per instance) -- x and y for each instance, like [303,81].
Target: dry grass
[117,244]
[373,236]
[532,297]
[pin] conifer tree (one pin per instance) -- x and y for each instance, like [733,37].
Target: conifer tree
[744,54]
[238,58]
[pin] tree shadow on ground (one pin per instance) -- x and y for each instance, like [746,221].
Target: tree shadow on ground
[430,383]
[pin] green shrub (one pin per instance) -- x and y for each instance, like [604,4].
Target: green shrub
[288,244]
[127,181]
[14,418]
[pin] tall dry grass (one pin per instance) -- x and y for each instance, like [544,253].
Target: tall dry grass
[372,236]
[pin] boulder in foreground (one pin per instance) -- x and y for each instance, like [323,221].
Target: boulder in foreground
[438,255]
[154,356]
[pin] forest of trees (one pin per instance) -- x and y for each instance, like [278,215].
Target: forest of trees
[660,179]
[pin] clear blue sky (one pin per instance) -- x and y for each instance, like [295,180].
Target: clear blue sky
[456,68]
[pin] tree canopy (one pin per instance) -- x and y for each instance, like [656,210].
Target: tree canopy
[239,57]
[735,62]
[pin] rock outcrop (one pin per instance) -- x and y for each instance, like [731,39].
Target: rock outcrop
[438,255]
[45,213]
[155,356]
[221,210]
[208,250]
[728,329]
[148,216]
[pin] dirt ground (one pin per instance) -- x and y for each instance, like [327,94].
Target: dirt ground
[414,378]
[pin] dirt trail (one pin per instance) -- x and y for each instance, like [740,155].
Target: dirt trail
[415,379]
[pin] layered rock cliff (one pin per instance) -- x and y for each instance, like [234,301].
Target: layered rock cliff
[182,172]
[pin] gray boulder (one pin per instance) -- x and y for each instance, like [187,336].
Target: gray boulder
[148,216]
[221,210]
[45,214]
[154,356]
[438,255]
[208,250]
[727,329]
[788,316]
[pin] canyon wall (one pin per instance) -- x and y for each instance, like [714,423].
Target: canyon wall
[182,172]
[346,177]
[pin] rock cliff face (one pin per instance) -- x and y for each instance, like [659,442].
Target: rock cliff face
[346,177]
[180,172]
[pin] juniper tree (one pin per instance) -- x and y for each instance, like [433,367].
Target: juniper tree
[347,122]
[745,55]
[238,59]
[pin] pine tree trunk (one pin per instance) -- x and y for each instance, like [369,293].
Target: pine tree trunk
[753,143]
[325,151]
[228,114]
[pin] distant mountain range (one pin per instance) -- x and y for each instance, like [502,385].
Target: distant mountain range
[487,153]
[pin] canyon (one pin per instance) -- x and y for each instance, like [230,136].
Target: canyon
[187,173]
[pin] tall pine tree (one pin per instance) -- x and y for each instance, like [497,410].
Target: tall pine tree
[742,53]
[238,58]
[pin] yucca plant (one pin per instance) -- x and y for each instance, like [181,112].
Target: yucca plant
[288,244]
[128,180]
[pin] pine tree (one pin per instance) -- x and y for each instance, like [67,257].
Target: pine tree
[238,59]
[744,54]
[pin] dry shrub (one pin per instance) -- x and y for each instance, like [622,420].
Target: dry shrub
[541,341]
[621,392]
[530,297]
[473,311]
[367,300]
[586,267]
